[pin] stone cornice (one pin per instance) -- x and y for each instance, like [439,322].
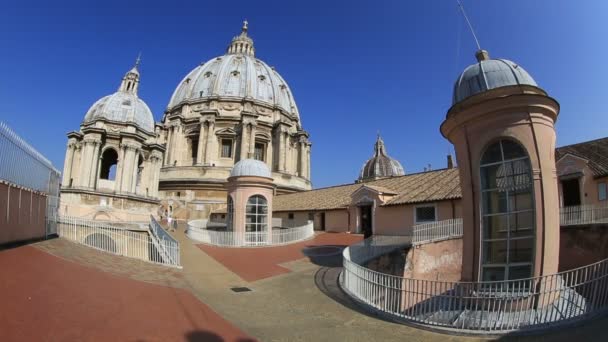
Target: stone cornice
[110,194]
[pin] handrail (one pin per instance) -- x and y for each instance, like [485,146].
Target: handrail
[496,306]
[583,214]
[197,230]
[437,231]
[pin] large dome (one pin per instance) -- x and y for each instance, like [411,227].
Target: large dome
[489,74]
[380,165]
[236,75]
[124,105]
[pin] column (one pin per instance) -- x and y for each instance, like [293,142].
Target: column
[244,132]
[119,169]
[126,171]
[134,170]
[302,156]
[285,151]
[280,155]
[308,162]
[209,142]
[84,160]
[167,160]
[94,164]
[67,165]
[155,175]
[201,139]
[251,141]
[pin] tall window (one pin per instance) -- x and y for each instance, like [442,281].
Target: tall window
[109,160]
[601,191]
[226,148]
[193,150]
[230,211]
[256,214]
[507,209]
[258,151]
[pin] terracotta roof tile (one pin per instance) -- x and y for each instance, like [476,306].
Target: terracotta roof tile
[595,151]
[413,188]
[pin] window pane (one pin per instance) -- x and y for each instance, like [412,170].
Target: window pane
[601,190]
[512,150]
[425,214]
[520,250]
[488,176]
[493,273]
[226,148]
[494,202]
[522,224]
[520,200]
[495,252]
[495,227]
[520,272]
[258,153]
[492,154]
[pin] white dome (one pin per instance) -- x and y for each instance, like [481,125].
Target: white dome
[236,75]
[489,74]
[122,107]
[250,167]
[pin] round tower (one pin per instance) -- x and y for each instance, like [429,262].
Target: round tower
[502,126]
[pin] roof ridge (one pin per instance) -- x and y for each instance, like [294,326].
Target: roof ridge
[581,143]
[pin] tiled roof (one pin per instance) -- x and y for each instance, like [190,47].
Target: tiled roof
[413,188]
[595,151]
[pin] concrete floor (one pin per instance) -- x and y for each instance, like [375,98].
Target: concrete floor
[301,302]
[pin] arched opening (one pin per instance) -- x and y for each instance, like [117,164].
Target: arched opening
[256,211]
[193,144]
[140,169]
[109,161]
[101,241]
[507,211]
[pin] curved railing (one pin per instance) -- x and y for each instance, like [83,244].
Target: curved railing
[206,232]
[498,307]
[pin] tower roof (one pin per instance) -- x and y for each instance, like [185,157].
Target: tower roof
[489,74]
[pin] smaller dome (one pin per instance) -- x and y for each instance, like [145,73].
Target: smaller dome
[122,107]
[380,165]
[489,74]
[250,167]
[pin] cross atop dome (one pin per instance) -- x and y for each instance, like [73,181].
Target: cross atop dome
[242,44]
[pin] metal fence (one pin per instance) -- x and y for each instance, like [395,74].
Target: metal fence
[197,230]
[583,214]
[165,243]
[22,165]
[109,238]
[474,307]
[437,231]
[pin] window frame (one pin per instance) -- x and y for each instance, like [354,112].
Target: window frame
[426,205]
[263,149]
[601,186]
[257,222]
[231,148]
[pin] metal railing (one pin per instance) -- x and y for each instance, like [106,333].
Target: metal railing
[583,214]
[474,307]
[166,244]
[22,165]
[197,230]
[437,231]
[106,237]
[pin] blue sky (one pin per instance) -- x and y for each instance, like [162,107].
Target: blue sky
[355,67]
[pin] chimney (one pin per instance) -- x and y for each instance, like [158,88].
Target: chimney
[450,162]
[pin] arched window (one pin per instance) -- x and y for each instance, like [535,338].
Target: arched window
[256,219]
[109,160]
[507,212]
[230,211]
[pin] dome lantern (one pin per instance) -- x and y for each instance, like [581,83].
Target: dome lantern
[242,44]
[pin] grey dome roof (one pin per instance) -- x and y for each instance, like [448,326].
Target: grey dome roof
[250,167]
[489,74]
[122,107]
[236,75]
[380,165]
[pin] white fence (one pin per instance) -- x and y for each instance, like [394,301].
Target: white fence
[437,231]
[583,214]
[475,307]
[197,230]
[108,238]
[167,246]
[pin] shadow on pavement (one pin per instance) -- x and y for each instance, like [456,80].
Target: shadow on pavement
[324,255]
[208,336]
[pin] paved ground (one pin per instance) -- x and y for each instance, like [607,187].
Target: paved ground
[293,297]
[44,297]
[253,264]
